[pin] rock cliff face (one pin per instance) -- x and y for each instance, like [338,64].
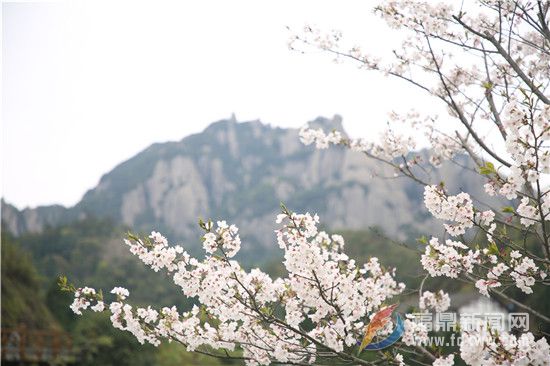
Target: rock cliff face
[32,220]
[241,172]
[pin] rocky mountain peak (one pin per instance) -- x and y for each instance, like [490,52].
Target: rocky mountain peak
[240,172]
[328,124]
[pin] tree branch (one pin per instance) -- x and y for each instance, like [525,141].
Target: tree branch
[508,59]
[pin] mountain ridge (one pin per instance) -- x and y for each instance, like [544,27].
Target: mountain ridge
[241,171]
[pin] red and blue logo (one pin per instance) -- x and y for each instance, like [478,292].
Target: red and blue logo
[379,321]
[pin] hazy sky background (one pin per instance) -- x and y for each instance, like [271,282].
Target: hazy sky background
[88,84]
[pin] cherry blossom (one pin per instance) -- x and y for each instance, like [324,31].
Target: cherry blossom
[415,333]
[457,209]
[449,259]
[445,361]
[481,348]
[439,301]
[487,64]
[323,285]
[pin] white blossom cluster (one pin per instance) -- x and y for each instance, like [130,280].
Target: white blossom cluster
[486,220]
[120,292]
[459,83]
[399,359]
[529,213]
[458,210]
[437,21]
[483,285]
[523,270]
[412,14]
[513,183]
[324,41]
[156,253]
[526,126]
[439,301]
[416,333]
[452,258]
[82,300]
[225,237]
[309,136]
[237,307]
[449,259]
[123,317]
[527,133]
[481,347]
[393,143]
[445,361]
[317,264]
[443,148]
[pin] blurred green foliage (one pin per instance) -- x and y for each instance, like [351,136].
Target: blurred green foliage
[21,288]
[91,252]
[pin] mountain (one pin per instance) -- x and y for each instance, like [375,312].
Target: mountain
[33,219]
[241,172]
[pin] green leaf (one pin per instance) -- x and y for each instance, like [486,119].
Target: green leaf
[62,281]
[487,169]
[284,209]
[508,209]
[493,249]
[132,236]
[422,240]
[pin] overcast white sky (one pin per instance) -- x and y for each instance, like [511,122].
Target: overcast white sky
[88,84]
